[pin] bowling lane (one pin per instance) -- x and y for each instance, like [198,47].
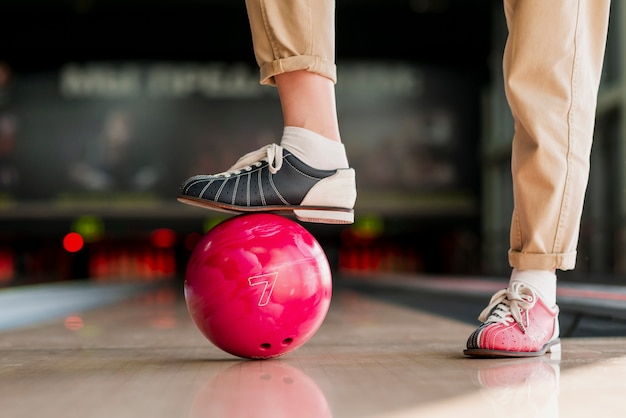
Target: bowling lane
[372,357]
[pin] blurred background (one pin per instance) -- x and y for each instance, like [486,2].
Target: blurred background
[106,106]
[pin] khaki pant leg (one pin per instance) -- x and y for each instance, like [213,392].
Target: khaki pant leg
[290,35]
[552,66]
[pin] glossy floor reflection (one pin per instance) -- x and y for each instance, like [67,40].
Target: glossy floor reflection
[260,389]
[371,358]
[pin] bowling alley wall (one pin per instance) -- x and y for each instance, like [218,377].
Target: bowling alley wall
[97,134]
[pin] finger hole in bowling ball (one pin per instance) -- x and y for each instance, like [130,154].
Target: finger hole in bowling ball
[287,341]
[265,346]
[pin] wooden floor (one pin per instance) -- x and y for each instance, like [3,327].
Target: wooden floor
[374,356]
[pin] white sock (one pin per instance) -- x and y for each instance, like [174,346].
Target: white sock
[314,149]
[541,281]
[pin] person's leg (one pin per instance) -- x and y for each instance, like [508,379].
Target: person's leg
[308,101]
[294,46]
[308,172]
[552,66]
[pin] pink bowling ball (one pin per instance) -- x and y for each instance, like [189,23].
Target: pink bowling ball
[258,285]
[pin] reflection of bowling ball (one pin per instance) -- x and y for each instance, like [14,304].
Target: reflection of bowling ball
[258,285]
[266,389]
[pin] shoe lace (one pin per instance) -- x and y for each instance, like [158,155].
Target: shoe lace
[506,306]
[272,153]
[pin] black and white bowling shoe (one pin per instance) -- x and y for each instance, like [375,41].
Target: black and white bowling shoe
[272,179]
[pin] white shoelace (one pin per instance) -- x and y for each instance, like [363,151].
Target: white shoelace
[507,303]
[272,153]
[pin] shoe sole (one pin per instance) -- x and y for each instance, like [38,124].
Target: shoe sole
[315,214]
[553,346]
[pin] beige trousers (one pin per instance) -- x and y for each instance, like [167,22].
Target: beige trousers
[552,66]
[290,35]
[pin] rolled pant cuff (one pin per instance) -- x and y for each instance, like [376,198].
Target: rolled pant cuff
[300,62]
[533,261]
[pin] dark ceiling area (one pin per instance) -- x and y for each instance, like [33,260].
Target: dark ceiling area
[39,34]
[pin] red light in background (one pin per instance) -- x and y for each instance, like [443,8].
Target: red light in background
[73,242]
[163,238]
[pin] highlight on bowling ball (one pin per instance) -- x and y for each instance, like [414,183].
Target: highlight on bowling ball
[258,285]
